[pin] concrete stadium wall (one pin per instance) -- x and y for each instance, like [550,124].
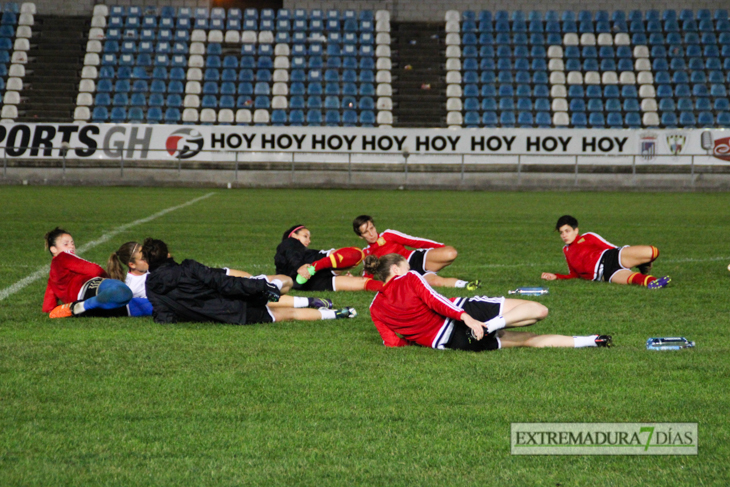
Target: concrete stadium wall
[402,10]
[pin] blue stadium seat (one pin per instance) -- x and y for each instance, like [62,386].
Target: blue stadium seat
[579,120]
[614,120]
[314,117]
[507,119]
[687,119]
[102,100]
[100,114]
[118,115]
[490,119]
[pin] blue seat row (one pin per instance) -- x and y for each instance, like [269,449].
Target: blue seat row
[598,16]
[234,13]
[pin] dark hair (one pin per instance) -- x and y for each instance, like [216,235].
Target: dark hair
[380,267]
[154,251]
[123,256]
[358,222]
[52,236]
[288,233]
[566,220]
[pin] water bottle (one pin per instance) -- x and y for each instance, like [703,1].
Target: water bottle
[530,291]
[668,343]
[301,280]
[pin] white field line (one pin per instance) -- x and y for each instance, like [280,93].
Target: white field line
[660,261]
[43,271]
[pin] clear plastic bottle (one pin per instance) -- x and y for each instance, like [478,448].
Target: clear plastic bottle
[530,291]
[668,343]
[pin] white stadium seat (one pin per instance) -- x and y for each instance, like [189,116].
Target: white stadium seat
[282,50]
[453,64]
[91,46]
[560,105]
[198,35]
[382,51]
[592,78]
[575,78]
[196,61]
[382,26]
[193,88]
[385,118]
[453,77]
[9,112]
[243,116]
[208,115]
[605,39]
[627,78]
[609,78]
[95,33]
[454,119]
[383,63]
[281,75]
[280,88]
[100,9]
[453,89]
[82,113]
[279,102]
[642,64]
[26,19]
[194,74]
[384,89]
[561,119]
[645,78]
[226,116]
[384,103]
[249,37]
[11,98]
[556,64]
[557,78]
[20,57]
[650,119]
[555,52]
[84,99]
[18,70]
[558,91]
[571,39]
[382,15]
[191,101]
[641,52]
[190,115]
[197,48]
[215,35]
[98,21]
[647,91]
[453,26]
[382,38]
[648,105]
[87,86]
[266,37]
[453,39]
[588,39]
[261,116]
[453,51]
[454,104]
[89,72]
[281,62]
[383,77]
[622,39]
[14,84]
[28,8]
[232,37]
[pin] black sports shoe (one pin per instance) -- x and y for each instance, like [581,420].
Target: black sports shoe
[320,303]
[604,341]
[347,312]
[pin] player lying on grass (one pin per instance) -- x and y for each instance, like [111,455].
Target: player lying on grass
[82,286]
[130,255]
[294,258]
[428,258]
[190,291]
[592,258]
[408,311]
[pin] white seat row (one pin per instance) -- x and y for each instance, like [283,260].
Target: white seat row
[453,26]
[452,16]
[558,78]
[454,119]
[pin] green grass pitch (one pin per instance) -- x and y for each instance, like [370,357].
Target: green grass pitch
[128,402]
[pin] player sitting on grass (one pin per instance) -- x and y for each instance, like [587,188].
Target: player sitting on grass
[83,287]
[294,258]
[428,258]
[129,255]
[190,291]
[592,258]
[409,307]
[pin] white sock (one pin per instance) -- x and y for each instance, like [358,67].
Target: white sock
[328,314]
[79,308]
[589,341]
[300,302]
[278,283]
[461,283]
[495,324]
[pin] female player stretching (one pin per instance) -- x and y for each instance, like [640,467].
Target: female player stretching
[295,259]
[428,258]
[409,307]
[592,258]
[83,286]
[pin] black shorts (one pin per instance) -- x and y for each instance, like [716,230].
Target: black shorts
[610,264]
[320,281]
[480,308]
[258,314]
[91,289]
[417,261]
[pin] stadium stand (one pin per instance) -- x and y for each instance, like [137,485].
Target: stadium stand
[16,23]
[593,69]
[224,66]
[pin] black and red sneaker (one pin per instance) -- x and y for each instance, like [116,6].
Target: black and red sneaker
[604,341]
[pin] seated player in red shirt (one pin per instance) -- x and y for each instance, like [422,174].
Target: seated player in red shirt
[408,311]
[427,259]
[592,258]
[83,287]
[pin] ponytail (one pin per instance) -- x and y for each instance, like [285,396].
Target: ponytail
[122,257]
[50,237]
[380,267]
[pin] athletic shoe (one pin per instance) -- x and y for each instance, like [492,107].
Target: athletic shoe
[473,285]
[345,313]
[320,303]
[659,283]
[604,341]
[63,311]
[645,268]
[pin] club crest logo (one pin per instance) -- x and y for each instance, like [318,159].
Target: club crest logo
[722,149]
[184,143]
[647,145]
[676,143]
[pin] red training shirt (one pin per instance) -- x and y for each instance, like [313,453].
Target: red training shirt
[69,273]
[394,242]
[584,255]
[409,306]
